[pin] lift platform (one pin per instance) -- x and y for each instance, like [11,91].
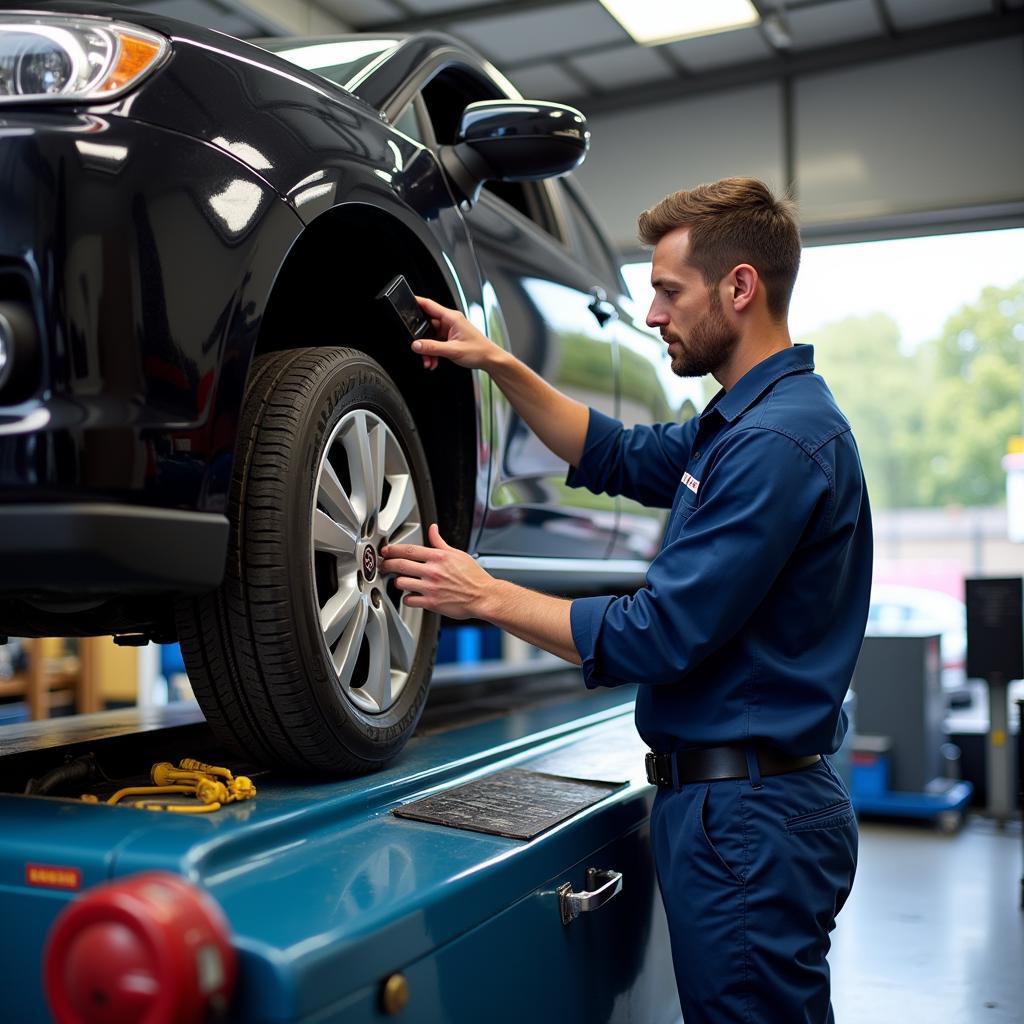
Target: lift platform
[500,869]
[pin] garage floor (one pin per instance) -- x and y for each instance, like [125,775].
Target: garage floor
[933,930]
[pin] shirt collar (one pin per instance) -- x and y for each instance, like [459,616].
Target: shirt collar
[756,381]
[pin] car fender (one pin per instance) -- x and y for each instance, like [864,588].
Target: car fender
[147,281]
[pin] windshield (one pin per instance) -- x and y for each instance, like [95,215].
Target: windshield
[342,60]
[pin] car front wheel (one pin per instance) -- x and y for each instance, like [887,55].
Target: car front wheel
[306,656]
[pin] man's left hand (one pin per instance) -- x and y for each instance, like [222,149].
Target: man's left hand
[439,578]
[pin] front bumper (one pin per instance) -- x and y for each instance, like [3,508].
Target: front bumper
[81,549]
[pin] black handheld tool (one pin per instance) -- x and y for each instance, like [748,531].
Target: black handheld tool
[398,296]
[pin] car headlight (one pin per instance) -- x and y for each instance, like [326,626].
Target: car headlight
[60,58]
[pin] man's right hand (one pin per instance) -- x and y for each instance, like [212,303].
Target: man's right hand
[457,339]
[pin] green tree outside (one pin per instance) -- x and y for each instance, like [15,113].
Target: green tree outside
[933,424]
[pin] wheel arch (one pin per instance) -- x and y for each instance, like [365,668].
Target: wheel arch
[324,295]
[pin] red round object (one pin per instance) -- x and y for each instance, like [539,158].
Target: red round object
[150,949]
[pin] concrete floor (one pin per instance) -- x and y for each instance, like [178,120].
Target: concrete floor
[933,931]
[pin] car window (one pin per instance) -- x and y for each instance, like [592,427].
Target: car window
[446,96]
[408,123]
[586,240]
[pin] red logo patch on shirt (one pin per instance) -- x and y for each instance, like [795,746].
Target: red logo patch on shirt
[691,482]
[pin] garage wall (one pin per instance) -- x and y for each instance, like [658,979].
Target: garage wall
[638,156]
[912,140]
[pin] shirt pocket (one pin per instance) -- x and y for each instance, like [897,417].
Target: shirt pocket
[685,507]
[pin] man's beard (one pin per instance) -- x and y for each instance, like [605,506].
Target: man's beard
[709,344]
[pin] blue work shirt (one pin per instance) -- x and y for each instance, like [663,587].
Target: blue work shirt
[751,619]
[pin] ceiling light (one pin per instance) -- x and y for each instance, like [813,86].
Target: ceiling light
[653,21]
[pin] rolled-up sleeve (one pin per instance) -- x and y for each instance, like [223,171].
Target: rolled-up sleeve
[586,616]
[761,498]
[642,462]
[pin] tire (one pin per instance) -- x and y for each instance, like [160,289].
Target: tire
[305,657]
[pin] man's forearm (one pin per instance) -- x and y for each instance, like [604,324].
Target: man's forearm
[559,421]
[539,619]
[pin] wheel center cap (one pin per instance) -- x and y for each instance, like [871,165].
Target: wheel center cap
[369,563]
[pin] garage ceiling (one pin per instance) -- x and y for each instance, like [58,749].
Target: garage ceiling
[575,50]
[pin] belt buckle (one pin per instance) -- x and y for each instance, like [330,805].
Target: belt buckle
[653,777]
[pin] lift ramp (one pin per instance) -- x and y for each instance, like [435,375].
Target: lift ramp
[331,892]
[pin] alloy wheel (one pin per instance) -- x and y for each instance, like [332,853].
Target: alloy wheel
[364,498]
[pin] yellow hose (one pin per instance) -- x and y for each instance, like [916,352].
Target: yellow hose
[165,774]
[213,787]
[191,764]
[149,791]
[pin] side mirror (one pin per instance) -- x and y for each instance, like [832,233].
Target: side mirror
[514,140]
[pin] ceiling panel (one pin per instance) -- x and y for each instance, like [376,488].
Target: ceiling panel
[546,82]
[509,38]
[721,49]
[362,12]
[435,6]
[839,22]
[907,14]
[198,12]
[574,49]
[628,65]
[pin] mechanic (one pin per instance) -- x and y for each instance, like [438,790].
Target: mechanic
[744,637]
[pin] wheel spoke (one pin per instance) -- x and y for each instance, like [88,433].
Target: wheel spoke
[378,679]
[378,439]
[401,501]
[332,496]
[346,654]
[365,447]
[336,613]
[402,641]
[332,537]
[408,533]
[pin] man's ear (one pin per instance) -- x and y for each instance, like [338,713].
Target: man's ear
[743,283]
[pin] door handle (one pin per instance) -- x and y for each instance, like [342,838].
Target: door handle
[602,885]
[599,305]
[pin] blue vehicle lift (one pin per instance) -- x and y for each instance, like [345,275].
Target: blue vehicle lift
[354,900]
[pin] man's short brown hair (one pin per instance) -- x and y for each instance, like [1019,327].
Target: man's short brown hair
[733,221]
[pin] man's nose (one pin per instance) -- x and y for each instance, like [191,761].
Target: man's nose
[656,317]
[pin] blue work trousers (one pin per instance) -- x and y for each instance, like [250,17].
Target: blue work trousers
[752,874]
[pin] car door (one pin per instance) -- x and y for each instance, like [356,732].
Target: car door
[554,325]
[647,390]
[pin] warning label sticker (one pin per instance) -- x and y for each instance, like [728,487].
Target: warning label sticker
[50,876]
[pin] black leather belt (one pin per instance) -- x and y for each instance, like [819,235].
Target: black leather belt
[714,763]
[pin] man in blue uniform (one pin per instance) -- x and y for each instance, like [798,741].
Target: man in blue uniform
[744,638]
